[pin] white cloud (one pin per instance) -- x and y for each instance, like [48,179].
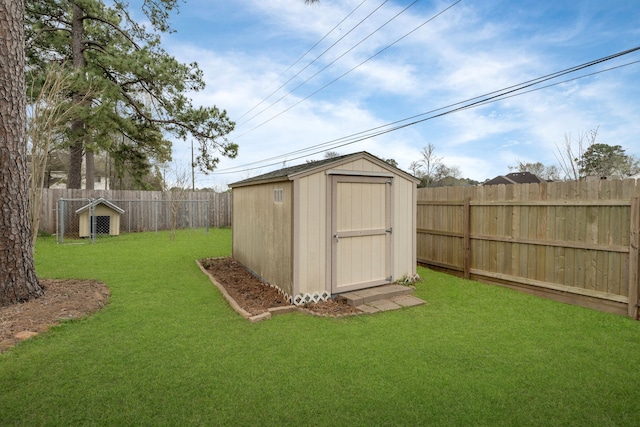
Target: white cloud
[468,51]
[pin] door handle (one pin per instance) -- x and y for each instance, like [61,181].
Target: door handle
[337,238]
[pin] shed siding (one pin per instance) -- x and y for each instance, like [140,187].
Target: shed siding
[312,234]
[404,232]
[262,232]
[360,165]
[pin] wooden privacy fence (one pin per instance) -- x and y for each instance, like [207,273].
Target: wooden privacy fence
[138,217]
[575,242]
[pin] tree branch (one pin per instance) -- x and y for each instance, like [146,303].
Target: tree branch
[115,27]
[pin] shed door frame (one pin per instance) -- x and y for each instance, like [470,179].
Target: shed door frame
[334,234]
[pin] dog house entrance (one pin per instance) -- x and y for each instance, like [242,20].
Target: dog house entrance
[102,224]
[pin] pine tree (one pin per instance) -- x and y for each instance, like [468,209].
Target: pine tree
[138,91]
[18,280]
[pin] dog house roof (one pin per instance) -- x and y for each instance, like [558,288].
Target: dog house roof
[100,201]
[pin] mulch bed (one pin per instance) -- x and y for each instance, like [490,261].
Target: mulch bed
[257,297]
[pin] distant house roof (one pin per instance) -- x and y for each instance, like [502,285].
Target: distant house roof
[291,172]
[515,178]
[101,201]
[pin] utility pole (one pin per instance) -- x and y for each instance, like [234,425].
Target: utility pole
[193,165]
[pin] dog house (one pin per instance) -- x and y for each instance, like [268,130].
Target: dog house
[322,228]
[99,217]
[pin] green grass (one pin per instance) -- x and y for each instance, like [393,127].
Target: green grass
[168,350]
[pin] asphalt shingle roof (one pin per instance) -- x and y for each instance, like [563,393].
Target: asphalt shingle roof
[291,170]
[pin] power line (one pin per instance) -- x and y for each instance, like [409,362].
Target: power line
[305,54]
[347,72]
[330,64]
[494,96]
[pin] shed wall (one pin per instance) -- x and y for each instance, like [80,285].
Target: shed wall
[404,228]
[312,264]
[361,165]
[262,232]
[311,234]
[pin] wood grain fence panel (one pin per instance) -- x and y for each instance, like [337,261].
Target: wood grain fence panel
[572,238]
[502,213]
[634,257]
[550,270]
[615,262]
[144,210]
[523,233]
[492,228]
[476,227]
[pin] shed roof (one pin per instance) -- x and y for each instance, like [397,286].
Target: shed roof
[293,172]
[101,201]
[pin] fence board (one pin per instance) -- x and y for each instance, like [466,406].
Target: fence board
[573,241]
[634,258]
[140,216]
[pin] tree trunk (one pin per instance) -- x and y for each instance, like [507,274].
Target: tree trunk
[74,178]
[90,170]
[18,280]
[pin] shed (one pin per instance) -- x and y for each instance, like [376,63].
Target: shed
[106,221]
[323,228]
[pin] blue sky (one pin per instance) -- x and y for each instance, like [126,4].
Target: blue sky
[246,49]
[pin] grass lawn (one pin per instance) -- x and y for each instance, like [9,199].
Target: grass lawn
[168,350]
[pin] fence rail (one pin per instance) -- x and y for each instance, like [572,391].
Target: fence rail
[141,206]
[86,218]
[576,242]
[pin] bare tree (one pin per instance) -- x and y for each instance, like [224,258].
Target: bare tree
[430,163]
[178,195]
[571,151]
[18,280]
[47,116]
[416,169]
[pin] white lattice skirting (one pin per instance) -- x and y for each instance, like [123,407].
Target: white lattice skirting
[303,299]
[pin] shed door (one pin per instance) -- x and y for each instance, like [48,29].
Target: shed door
[361,232]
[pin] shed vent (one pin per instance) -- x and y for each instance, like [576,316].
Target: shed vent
[278,195]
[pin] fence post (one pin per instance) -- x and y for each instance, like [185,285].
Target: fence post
[61,220]
[634,244]
[466,224]
[93,227]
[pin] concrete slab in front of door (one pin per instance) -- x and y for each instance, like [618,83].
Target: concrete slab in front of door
[364,296]
[382,298]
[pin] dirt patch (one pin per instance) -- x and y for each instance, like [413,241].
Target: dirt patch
[62,300]
[257,297]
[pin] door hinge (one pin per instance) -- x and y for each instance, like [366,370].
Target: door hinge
[389,230]
[389,279]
